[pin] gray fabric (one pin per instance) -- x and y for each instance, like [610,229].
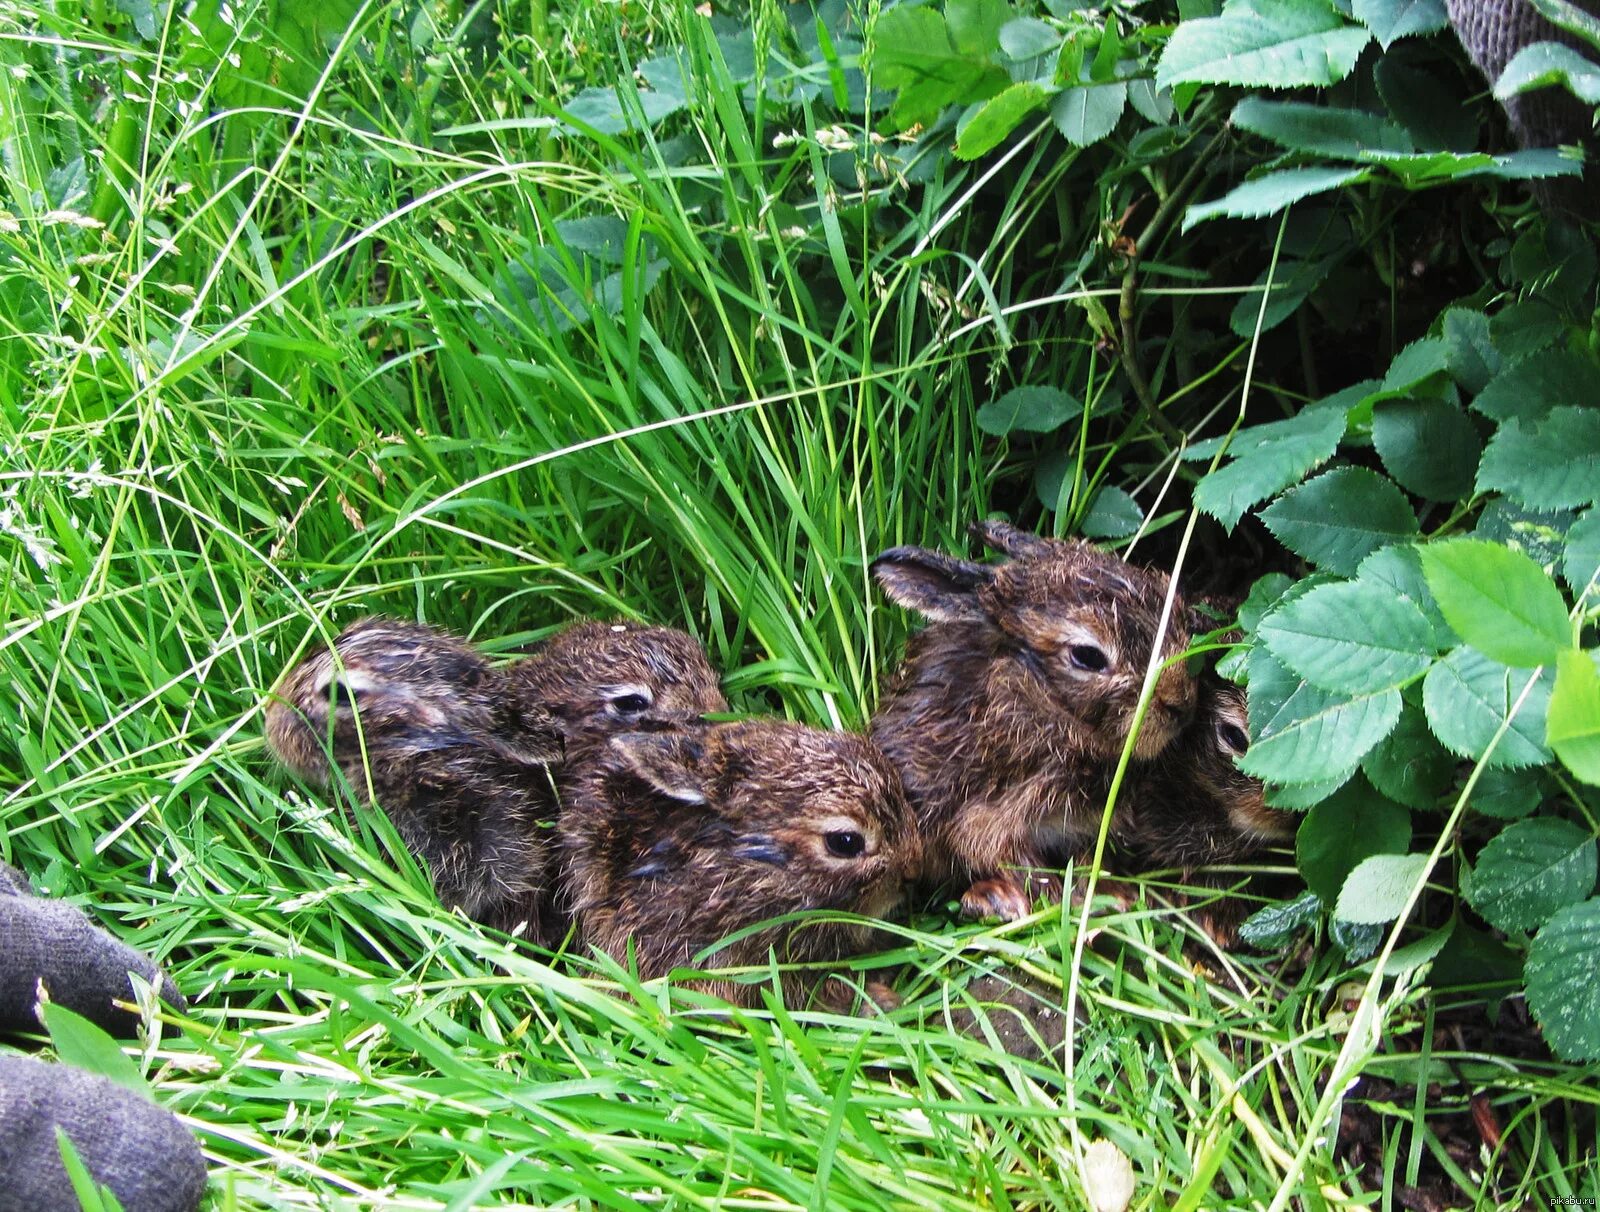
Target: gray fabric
[137,1149]
[1493,31]
[13,882]
[83,967]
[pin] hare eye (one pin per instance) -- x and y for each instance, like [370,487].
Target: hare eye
[1088,657]
[845,843]
[343,696]
[633,702]
[1234,737]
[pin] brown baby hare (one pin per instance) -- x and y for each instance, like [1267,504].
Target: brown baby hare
[465,759]
[676,840]
[1015,701]
[1193,807]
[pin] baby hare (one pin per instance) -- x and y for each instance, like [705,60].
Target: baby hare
[1013,704]
[1193,807]
[676,840]
[464,758]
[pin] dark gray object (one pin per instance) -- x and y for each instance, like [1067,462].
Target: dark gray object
[141,1151]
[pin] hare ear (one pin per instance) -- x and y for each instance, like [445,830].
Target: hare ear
[939,586]
[667,761]
[1011,540]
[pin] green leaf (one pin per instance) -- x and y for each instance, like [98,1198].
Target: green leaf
[1429,446]
[1267,459]
[1030,409]
[1470,354]
[1272,927]
[1029,38]
[1530,870]
[1315,734]
[1541,535]
[1545,63]
[1498,600]
[934,63]
[1297,797]
[1113,514]
[1562,991]
[1089,112]
[1581,563]
[82,1044]
[1358,941]
[1377,890]
[1553,464]
[975,25]
[1339,518]
[1416,363]
[1399,568]
[1152,104]
[1408,765]
[1351,637]
[1532,385]
[1424,103]
[1573,726]
[1292,284]
[1338,834]
[1263,43]
[1272,192]
[1391,20]
[998,117]
[1467,697]
[1507,795]
[1320,129]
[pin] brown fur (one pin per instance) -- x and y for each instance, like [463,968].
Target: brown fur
[675,840]
[464,758]
[1002,736]
[1193,807]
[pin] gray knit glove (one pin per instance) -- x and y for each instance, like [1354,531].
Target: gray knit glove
[139,1150]
[83,967]
[1493,31]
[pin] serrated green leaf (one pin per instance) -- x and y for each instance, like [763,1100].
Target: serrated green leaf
[1409,765]
[1540,534]
[1320,129]
[1292,284]
[1545,63]
[1272,927]
[1470,355]
[1088,112]
[1532,385]
[1263,596]
[1581,563]
[1297,797]
[1152,104]
[1429,446]
[1029,409]
[1339,518]
[1551,464]
[1358,940]
[1573,726]
[1498,600]
[1338,834]
[1316,735]
[975,25]
[1272,192]
[1467,697]
[1399,568]
[1377,890]
[1391,20]
[1530,870]
[998,117]
[1263,43]
[1564,14]
[1562,991]
[1113,514]
[1507,795]
[1267,459]
[1351,637]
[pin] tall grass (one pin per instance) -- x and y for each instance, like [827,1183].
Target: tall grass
[276,353]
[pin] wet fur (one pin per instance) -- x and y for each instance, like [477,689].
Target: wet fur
[1003,745]
[674,841]
[465,759]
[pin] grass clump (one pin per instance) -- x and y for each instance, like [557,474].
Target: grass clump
[312,316]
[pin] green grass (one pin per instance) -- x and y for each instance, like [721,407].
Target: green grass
[271,370]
